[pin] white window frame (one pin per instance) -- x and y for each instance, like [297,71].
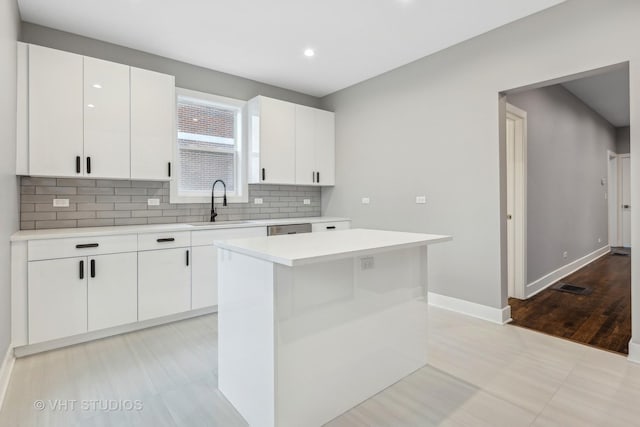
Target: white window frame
[175,196]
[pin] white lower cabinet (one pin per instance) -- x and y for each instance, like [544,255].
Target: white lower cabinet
[112,290]
[204,277]
[57,298]
[164,282]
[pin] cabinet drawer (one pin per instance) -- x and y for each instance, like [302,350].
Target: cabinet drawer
[152,241]
[207,237]
[81,246]
[330,226]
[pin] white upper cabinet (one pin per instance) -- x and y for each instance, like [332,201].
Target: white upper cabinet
[85,117]
[290,143]
[272,139]
[106,119]
[55,112]
[152,124]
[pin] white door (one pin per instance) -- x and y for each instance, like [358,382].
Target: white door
[55,113]
[325,142]
[510,206]
[106,119]
[305,145]
[204,277]
[277,141]
[57,295]
[625,199]
[164,282]
[152,124]
[112,291]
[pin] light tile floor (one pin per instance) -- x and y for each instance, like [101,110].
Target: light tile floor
[480,374]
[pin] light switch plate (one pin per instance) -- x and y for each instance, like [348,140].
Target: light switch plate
[153,202]
[60,203]
[365,200]
[257,201]
[306,201]
[367,263]
[421,199]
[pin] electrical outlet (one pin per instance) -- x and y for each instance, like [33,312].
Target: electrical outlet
[60,203]
[365,200]
[599,239]
[153,202]
[565,254]
[257,201]
[421,200]
[306,202]
[366,263]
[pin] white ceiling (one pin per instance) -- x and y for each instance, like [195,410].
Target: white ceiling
[264,40]
[607,94]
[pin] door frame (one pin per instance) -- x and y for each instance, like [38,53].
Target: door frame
[519,215]
[613,191]
[619,198]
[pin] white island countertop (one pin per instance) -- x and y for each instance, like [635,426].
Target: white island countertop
[308,248]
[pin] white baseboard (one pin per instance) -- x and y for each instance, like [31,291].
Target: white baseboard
[484,312]
[634,352]
[5,373]
[545,281]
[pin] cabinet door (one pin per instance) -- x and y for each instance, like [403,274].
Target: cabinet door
[277,141]
[325,147]
[55,112]
[164,283]
[152,124]
[106,119]
[112,290]
[57,298]
[204,277]
[305,145]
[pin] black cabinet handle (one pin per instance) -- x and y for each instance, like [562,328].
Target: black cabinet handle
[318,179]
[93,268]
[169,169]
[264,174]
[77,164]
[331,227]
[87,245]
[166,239]
[81,270]
[187,258]
[88,164]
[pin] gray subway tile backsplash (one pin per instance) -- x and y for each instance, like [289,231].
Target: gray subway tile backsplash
[102,202]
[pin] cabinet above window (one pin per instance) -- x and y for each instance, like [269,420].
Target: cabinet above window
[84,117]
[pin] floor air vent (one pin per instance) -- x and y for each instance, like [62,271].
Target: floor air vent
[572,289]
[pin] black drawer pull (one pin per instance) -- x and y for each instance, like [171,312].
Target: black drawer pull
[264,174]
[331,227]
[169,169]
[187,258]
[81,270]
[93,267]
[88,164]
[77,164]
[166,239]
[87,245]
[318,180]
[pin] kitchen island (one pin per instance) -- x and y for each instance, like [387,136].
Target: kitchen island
[310,325]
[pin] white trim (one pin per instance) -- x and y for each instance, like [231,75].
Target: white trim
[5,372]
[484,312]
[634,352]
[613,178]
[544,282]
[520,199]
[27,350]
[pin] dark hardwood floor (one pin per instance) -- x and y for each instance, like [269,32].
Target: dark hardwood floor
[601,319]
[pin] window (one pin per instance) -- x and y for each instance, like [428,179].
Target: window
[210,146]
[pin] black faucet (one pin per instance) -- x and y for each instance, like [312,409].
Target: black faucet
[214,214]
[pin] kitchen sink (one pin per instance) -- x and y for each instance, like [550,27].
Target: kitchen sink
[208,223]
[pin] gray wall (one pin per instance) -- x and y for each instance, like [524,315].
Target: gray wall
[9,27]
[623,140]
[432,128]
[567,145]
[99,202]
[187,76]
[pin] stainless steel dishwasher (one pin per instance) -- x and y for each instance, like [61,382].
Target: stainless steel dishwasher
[275,230]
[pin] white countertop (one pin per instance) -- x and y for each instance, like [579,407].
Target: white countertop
[59,233]
[307,248]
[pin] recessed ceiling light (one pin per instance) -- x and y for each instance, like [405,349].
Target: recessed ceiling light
[194,119]
[91,106]
[309,53]
[97,86]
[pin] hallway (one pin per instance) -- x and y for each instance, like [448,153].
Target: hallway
[601,319]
